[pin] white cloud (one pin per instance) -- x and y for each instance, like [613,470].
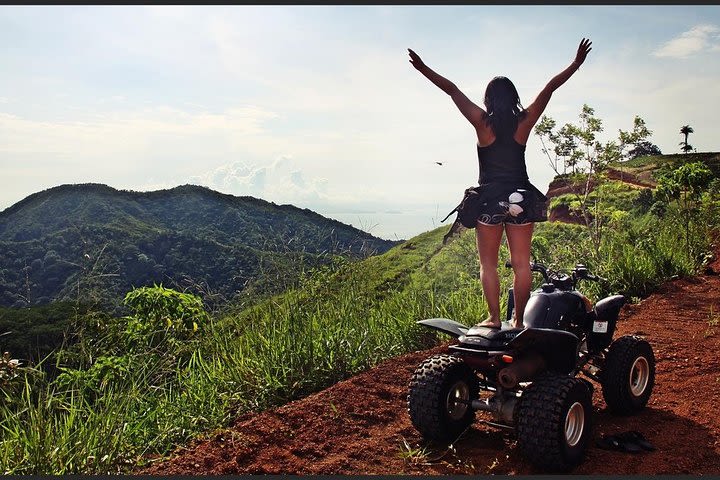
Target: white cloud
[282,182]
[695,40]
[135,135]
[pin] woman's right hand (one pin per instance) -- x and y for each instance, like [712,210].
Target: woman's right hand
[582,51]
[415,60]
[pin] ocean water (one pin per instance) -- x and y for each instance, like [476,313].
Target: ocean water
[393,225]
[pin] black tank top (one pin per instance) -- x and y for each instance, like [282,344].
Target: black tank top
[502,161]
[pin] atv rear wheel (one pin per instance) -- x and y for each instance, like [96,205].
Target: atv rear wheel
[628,376]
[553,421]
[440,395]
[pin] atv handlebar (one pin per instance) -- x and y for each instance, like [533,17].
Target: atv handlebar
[580,272]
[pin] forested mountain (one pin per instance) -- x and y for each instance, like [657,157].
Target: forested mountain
[61,243]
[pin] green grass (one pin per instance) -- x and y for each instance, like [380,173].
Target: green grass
[343,319]
[653,162]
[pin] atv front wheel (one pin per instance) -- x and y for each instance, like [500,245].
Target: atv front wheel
[440,395]
[553,421]
[628,376]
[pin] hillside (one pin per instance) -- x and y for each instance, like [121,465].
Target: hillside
[93,240]
[361,425]
[622,184]
[325,434]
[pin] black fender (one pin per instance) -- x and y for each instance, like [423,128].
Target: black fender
[601,325]
[445,325]
[558,347]
[609,308]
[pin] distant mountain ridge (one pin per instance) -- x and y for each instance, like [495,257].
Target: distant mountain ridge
[54,242]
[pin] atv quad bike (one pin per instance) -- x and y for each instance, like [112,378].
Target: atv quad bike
[530,376]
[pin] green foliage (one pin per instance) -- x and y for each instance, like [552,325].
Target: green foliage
[576,146]
[33,333]
[686,185]
[641,252]
[96,379]
[636,141]
[644,253]
[579,145]
[343,318]
[655,166]
[644,200]
[686,182]
[658,208]
[159,309]
[643,149]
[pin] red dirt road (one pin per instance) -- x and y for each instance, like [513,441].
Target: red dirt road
[361,425]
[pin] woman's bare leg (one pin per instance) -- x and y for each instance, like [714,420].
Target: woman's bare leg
[488,239]
[519,238]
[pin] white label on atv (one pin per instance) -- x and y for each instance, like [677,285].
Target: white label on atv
[600,327]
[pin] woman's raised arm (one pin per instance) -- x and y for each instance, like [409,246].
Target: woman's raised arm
[538,106]
[472,112]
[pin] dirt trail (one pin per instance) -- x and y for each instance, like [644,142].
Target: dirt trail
[361,425]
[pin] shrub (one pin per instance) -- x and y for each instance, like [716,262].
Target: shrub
[160,312]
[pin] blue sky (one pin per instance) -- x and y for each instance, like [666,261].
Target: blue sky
[318,106]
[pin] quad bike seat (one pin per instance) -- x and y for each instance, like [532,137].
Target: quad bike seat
[489,338]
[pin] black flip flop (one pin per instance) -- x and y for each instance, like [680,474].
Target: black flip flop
[614,442]
[637,438]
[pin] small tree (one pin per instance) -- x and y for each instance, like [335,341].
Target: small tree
[686,130]
[685,184]
[161,313]
[643,149]
[635,143]
[564,143]
[576,146]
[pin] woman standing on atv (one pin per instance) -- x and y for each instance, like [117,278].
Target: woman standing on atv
[508,200]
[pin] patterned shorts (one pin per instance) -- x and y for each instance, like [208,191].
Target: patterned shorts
[507,204]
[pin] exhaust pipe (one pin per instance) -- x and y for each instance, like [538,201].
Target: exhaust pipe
[501,406]
[520,371]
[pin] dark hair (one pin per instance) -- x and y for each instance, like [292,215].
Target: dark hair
[504,109]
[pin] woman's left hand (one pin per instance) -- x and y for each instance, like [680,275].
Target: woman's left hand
[582,51]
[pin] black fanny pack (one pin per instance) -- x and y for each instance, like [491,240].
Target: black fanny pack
[468,210]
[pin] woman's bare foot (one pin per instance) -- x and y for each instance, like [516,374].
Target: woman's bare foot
[490,322]
[514,322]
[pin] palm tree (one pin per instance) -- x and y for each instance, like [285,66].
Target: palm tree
[686,130]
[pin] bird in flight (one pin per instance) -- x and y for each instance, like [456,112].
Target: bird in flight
[439,163]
